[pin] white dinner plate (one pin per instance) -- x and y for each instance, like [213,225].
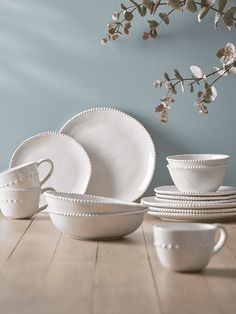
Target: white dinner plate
[227,216]
[195,201]
[121,150]
[195,198]
[152,201]
[72,167]
[172,190]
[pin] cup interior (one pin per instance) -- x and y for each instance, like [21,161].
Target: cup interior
[184,227]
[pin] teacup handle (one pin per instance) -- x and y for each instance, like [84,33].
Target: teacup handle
[47,160]
[43,191]
[222,238]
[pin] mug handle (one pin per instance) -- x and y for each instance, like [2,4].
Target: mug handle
[43,191]
[222,238]
[47,160]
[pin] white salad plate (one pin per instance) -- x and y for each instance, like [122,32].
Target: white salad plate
[205,201]
[192,211]
[72,167]
[153,202]
[196,198]
[121,150]
[182,216]
[172,190]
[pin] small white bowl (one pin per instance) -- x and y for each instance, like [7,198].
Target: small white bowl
[186,160]
[82,203]
[97,226]
[198,179]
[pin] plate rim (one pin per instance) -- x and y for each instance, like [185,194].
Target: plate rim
[153,146]
[195,194]
[49,133]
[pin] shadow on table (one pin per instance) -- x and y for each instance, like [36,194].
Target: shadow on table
[220,272]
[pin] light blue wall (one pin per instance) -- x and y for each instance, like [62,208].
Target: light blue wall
[52,66]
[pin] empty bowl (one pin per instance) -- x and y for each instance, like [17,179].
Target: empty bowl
[97,226]
[198,179]
[187,160]
[82,203]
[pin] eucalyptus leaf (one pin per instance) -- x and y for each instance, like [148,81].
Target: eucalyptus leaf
[177,75]
[228,16]
[174,91]
[166,76]
[175,4]
[202,13]
[123,7]
[191,88]
[153,23]
[143,11]
[221,5]
[165,18]
[128,16]
[191,6]
[148,4]
[156,6]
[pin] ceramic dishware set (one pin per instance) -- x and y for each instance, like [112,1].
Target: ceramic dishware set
[183,202]
[98,153]
[93,174]
[21,188]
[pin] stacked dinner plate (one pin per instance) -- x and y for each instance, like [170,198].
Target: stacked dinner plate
[171,204]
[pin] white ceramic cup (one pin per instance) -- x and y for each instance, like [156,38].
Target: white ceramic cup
[21,203]
[25,176]
[186,247]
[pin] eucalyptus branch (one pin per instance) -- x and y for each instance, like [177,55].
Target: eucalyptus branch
[208,92]
[122,18]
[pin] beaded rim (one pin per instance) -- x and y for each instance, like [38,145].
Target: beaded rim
[196,167]
[209,158]
[90,215]
[110,201]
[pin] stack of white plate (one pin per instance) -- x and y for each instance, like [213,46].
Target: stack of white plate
[171,204]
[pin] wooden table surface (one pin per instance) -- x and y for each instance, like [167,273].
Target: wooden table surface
[43,271]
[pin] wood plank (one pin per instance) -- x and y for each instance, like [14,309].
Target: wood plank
[69,281]
[123,280]
[220,275]
[22,278]
[179,292]
[11,232]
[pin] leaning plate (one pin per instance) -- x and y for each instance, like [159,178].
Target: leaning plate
[72,168]
[121,150]
[172,190]
[152,201]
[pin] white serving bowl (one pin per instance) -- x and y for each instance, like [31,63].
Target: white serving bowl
[198,179]
[187,160]
[82,203]
[97,226]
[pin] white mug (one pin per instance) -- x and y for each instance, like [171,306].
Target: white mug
[187,247]
[21,203]
[25,176]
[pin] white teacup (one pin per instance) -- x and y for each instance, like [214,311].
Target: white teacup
[187,247]
[21,203]
[25,176]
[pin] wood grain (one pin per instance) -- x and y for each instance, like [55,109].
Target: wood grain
[45,272]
